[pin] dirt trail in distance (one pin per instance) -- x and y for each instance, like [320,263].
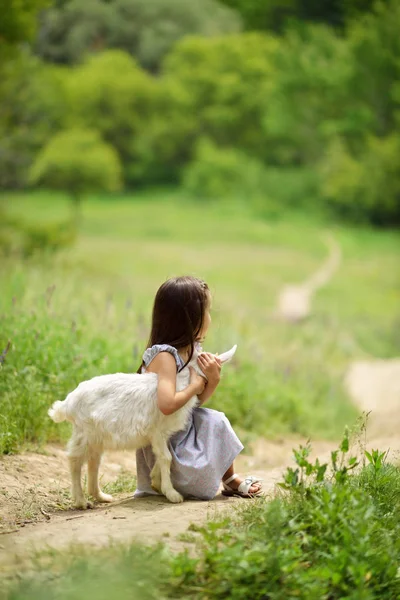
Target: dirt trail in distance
[295,300]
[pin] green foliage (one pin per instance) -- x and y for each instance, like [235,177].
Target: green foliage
[222,173]
[313,106]
[49,356]
[18,21]
[78,161]
[163,141]
[33,108]
[325,538]
[276,14]
[217,173]
[226,81]
[367,187]
[374,42]
[146,29]
[18,237]
[111,94]
[310,97]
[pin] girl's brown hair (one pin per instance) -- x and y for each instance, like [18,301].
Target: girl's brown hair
[178,312]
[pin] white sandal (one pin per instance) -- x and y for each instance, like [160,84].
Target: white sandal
[243,490]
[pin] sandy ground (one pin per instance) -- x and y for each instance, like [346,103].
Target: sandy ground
[35,506]
[36,512]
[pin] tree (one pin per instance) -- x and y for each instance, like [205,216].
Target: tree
[374,41]
[226,84]
[112,94]
[32,110]
[276,15]
[311,97]
[146,29]
[366,188]
[18,22]
[79,162]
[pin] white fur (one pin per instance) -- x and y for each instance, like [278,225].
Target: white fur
[120,411]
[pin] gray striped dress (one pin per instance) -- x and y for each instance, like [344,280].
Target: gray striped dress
[201,453]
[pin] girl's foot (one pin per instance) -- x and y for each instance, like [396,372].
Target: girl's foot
[235,485]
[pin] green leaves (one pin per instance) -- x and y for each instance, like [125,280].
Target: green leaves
[78,161]
[146,29]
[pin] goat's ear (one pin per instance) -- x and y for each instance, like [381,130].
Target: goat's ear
[227,355]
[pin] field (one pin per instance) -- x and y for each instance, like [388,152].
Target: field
[86,310]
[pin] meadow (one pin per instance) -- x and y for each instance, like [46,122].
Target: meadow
[86,309]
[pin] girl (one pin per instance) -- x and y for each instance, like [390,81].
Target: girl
[203,453]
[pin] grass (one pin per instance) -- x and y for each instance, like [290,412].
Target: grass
[86,310]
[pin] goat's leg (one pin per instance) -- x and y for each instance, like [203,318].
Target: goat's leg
[155,477]
[163,458]
[76,457]
[94,457]
[75,466]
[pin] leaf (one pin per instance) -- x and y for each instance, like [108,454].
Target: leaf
[344,446]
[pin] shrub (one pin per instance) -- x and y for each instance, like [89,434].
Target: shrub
[366,187]
[325,538]
[222,173]
[79,162]
[21,238]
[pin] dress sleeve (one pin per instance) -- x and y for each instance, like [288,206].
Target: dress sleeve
[152,352]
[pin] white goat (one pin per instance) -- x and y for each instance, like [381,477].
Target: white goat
[120,411]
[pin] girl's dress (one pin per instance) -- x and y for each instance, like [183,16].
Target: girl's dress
[201,453]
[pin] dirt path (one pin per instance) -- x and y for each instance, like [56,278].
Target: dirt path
[37,484]
[146,519]
[374,386]
[295,300]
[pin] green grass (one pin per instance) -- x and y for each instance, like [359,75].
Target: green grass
[86,310]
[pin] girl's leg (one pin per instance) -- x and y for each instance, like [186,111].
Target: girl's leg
[237,481]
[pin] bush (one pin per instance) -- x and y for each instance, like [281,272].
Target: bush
[310,96]
[33,109]
[327,538]
[49,356]
[226,81]
[111,94]
[222,173]
[79,162]
[366,187]
[18,237]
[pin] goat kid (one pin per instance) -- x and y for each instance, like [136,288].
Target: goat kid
[120,412]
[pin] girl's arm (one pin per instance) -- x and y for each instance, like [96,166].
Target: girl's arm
[168,399]
[211,367]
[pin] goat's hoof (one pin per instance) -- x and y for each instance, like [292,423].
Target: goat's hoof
[82,504]
[103,497]
[174,496]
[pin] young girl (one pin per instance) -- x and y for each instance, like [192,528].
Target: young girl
[203,453]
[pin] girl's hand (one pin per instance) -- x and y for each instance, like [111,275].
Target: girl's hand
[197,381]
[211,367]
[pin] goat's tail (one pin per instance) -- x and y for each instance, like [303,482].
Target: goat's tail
[58,411]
